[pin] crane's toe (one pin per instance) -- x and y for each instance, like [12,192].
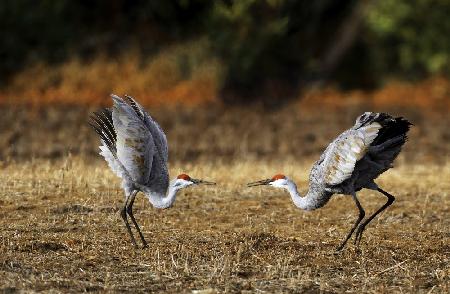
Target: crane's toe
[337,251]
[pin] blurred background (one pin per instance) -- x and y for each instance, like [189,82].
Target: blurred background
[259,78]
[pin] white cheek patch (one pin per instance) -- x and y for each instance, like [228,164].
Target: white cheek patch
[183,183]
[279,183]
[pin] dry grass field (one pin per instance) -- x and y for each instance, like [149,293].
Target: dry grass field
[60,227]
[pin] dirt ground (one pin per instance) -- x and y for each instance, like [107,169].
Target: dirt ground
[60,227]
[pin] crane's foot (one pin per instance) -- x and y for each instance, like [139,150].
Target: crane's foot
[337,252]
[358,236]
[144,245]
[340,250]
[135,245]
[341,247]
[133,241]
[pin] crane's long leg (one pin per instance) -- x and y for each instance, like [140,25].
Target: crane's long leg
[123,214]
[130,213]
[361,215]
[362,227]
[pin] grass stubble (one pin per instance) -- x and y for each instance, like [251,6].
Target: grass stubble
[60,227]
[61,230]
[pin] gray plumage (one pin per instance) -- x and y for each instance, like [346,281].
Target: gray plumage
[134,145]
[350,163]
[135,148]
[359,155]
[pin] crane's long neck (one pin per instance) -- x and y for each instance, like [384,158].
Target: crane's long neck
[161,200]
[311,201]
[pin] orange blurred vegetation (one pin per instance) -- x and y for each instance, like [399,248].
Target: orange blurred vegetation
[181,75]
[432,94]
[165,81]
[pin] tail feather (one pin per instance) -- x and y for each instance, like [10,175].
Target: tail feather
[390,139]
[388,145]
[392,128]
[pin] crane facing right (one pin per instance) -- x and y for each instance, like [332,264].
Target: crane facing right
[350,163]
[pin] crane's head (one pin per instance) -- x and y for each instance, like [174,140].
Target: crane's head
[183,181]
[278,181]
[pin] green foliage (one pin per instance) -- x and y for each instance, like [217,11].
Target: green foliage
[410,37]
[52,30]
[275,43]
[32,29]
[280,43]
[243,32]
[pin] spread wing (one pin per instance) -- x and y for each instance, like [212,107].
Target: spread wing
[135,144]
[159,137]
[340,157]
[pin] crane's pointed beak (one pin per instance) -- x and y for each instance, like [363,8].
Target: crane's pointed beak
[259,183]
[201,182]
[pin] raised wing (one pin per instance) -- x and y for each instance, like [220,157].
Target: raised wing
[135,144]
[157,132]
[341,156]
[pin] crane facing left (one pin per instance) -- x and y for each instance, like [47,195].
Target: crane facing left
[135,148]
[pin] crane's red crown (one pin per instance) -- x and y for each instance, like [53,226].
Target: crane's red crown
[278,177]
[184,177]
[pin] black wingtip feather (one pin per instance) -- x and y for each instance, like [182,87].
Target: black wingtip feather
[98,128]
[102,123]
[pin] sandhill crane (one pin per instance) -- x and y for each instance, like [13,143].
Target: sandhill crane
[350,163]
[135,147]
